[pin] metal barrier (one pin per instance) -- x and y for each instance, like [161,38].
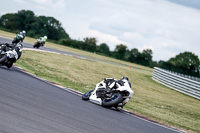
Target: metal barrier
[177,82]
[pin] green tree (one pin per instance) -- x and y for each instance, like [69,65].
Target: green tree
[8,21]
[90,44]
[146,57]
[49,26]
[134,54]
[24,20]
[33,25]
[104,48]
[120,51]
[186,63]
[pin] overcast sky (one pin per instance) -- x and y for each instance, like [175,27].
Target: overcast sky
[168,27]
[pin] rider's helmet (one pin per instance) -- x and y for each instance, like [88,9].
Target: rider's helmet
[125,78]
[24,32]
[20,35]
[45,37]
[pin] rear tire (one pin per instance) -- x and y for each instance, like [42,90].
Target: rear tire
[113,101]
[87,95]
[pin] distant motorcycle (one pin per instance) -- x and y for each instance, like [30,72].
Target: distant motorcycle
[38,43]
[116,97]
[17,39]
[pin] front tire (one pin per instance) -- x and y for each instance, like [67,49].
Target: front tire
[9,64]
[36,45]
[113,101]
[87,95]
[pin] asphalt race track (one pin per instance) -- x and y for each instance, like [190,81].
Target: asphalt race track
[29,105]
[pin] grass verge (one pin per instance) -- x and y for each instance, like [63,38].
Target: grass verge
[151,99]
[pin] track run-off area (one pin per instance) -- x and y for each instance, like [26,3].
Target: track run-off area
[32,105]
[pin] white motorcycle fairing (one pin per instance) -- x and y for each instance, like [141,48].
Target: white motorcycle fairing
[12,54]
[93,98]
[125,88]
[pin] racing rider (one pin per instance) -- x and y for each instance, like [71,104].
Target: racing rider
[16,51]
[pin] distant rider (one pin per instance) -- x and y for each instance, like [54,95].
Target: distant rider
[42,40]
[18,37]
[23,33]
[112,83]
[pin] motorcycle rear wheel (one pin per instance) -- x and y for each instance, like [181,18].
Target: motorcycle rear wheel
[113,101]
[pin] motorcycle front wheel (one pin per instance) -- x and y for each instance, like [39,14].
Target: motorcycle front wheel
[113,101]
[9,64]
[87,95]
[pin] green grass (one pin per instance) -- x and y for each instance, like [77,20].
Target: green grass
[151,99]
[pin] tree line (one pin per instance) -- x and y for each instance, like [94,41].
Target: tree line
[186,63]
[35,26]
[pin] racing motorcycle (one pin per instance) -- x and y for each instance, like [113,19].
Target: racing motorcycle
[38,43]
[116,96]
[17,39]
[8,56]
